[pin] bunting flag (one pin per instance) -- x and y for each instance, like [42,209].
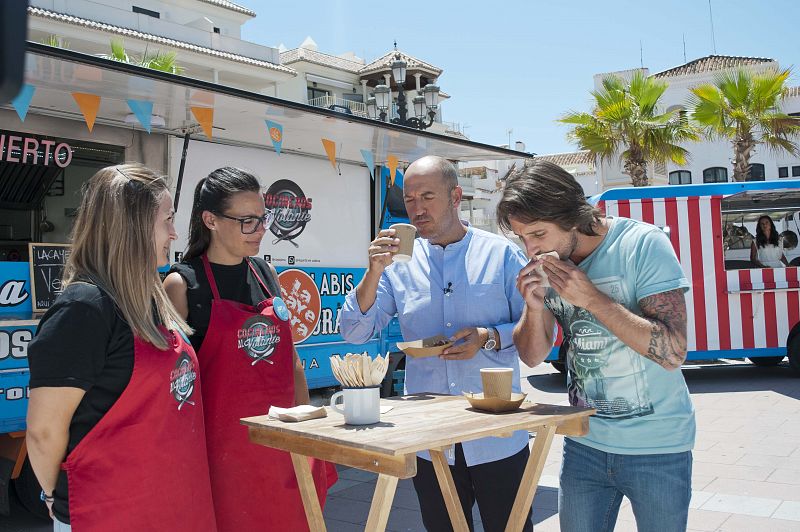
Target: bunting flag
[330,149]
[276,134]
[391,162]
[89,104]
[143,110]
[369,160]
[23,101]
[205,117]
[206,99]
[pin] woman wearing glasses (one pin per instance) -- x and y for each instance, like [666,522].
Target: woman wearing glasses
[243,339]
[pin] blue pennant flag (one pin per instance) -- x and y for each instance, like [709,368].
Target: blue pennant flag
[275,131]
[143,110]
[369,160]
[23,101]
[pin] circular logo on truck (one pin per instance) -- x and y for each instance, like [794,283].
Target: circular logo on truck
[291,207]
[302,298]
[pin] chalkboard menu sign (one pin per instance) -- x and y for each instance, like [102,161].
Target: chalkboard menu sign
[47,270]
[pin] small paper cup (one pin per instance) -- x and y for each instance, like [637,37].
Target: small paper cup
[406,233]
[497,382]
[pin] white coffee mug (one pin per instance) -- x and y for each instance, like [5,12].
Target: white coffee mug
[362,406]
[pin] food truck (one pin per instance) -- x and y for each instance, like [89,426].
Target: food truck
[324,173]
[735,310]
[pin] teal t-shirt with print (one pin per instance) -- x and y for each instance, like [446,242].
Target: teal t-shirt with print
[642,408]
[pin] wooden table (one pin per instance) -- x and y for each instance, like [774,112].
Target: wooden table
[422,422]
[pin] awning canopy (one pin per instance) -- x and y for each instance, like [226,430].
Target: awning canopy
[238,116]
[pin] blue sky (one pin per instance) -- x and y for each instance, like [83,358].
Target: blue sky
[521,64]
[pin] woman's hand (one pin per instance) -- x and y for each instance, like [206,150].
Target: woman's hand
[50,411]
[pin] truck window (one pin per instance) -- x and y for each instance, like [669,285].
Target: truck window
[740,218]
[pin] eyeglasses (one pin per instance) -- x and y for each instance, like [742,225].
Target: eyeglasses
[251,224]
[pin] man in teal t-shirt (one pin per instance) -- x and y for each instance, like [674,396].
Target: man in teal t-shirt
[617,292]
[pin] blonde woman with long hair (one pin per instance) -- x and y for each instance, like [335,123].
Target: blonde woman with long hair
[115,419]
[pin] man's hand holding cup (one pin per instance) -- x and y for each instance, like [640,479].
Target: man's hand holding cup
[382,249]
[395,244]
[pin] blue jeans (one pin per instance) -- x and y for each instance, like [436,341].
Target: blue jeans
[593,483]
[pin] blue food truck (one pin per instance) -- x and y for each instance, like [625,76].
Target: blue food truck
[329,207]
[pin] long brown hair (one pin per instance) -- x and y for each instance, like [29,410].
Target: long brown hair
[761,238]
[113,247]
[543,191]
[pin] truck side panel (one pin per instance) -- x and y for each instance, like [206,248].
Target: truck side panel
[15,301]
[734,313]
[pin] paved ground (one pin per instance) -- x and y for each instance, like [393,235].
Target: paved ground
[746,461]
[746,468]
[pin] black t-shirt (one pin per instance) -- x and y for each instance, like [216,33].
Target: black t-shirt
[82,342]
[235,283]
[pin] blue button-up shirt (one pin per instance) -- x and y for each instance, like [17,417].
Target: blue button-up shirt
[470,283]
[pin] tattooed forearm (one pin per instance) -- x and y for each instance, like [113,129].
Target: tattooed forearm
[666,313]
[659,334]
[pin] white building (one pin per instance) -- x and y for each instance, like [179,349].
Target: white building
[711,161]
[580,164]
[344,82]
[205,35]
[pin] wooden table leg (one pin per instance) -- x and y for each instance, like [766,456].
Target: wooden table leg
[449,492]
[530,478]
[381,503]
[305,481]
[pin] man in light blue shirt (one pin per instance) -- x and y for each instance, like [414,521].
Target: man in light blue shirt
[460,283]
[617,293]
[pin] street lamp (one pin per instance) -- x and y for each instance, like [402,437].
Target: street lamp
[428,103]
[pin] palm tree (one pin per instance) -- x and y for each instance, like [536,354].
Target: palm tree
[745,107]
[164,62]
[626,119]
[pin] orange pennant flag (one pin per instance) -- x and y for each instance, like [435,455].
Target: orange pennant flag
[205,116]
[89,104]
[330,149]
[391,162]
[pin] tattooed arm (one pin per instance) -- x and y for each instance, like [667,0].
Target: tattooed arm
[659,335]
[666,313]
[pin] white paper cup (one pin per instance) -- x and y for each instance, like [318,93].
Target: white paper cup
[406,233]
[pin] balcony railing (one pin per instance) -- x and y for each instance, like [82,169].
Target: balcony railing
[454,128]
[340,104]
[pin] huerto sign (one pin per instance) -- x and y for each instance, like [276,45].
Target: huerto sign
[34,151]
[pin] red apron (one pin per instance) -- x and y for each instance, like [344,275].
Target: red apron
[144,466]
[247,360]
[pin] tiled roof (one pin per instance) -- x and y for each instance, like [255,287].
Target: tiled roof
[412,63]
[711,63]
[319,58]
[126,32]
[569,158]
[230,5]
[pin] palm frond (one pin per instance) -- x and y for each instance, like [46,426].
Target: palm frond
[768,89]
[118,52]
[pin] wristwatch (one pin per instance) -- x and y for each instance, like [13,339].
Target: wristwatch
[491,343]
